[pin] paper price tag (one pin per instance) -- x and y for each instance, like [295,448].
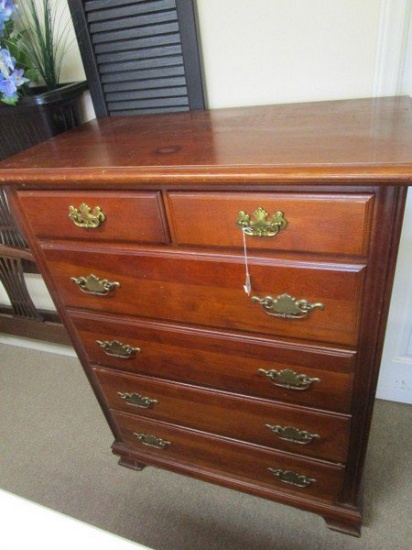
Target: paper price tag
[247,287]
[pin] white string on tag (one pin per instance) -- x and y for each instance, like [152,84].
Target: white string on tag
[247,287]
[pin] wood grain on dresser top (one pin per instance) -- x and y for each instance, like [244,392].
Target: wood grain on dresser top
[364,139]
[206,354]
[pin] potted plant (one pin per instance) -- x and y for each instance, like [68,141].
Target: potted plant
[33,44]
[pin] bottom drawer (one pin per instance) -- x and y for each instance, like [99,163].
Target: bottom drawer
[233,460]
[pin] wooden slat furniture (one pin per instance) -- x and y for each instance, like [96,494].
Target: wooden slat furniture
[144,229]
[37,118]
[22,317]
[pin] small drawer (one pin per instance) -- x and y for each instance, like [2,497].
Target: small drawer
[257,421]
[321,223]
[122,216]
[253,466]
[221,360]
[322,299]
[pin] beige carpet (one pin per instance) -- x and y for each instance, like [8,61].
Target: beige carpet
[55,450]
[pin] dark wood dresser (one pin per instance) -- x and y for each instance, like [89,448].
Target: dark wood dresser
[225,277]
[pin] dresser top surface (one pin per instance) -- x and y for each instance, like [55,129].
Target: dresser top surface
[351,139]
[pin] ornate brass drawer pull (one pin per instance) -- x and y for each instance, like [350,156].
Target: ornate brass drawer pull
[86,217]
[289,379]
[117,349]
[292,478]
[293,435]
[261,226]
[152,441]
[286,306]
[137,400]
[93,285]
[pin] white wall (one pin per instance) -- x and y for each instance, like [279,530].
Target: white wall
[395,382]
[272,51]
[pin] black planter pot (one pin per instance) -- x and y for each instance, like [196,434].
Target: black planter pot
[38,117]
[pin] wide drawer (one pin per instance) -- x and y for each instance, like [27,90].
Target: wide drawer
[205,290]
[222,360]
[128,217]
[321,223]
[249,464]
[251,420]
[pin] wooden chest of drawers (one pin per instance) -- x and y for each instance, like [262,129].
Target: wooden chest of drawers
[146,229]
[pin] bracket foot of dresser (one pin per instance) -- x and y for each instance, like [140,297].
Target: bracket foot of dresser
[347,527]
[132,464]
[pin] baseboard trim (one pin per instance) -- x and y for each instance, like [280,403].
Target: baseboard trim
[38,345]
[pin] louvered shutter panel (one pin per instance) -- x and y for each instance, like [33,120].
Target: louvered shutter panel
[140,56]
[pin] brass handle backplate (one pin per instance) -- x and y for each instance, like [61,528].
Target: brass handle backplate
[86,217]
[260,226]
[137,400]
[286,306]
[93,285]
[293,435]
[292,478]
[117,349]
[289,379]
[152,441]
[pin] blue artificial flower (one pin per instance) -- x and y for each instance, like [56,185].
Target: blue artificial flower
[6,10]
[8,90]
[11,78]
[17,78]
[6,62]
